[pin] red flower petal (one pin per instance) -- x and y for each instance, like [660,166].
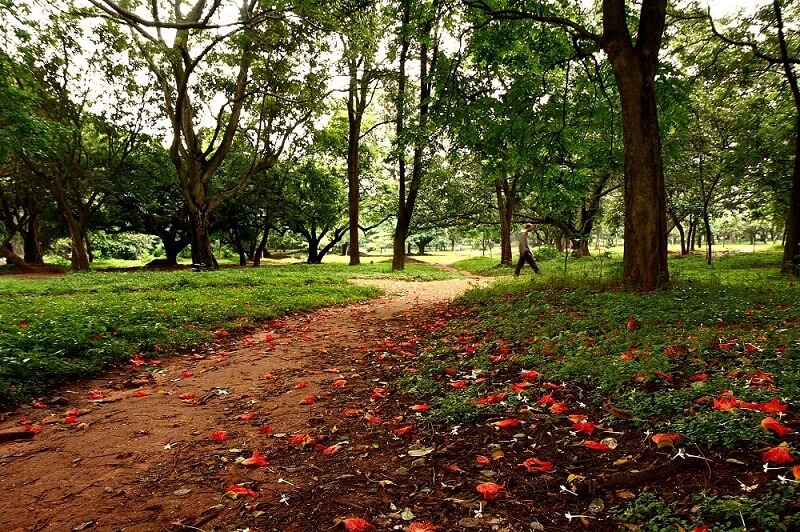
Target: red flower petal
[459,385]
[424,407]
[339,383]
[490,490]
[185,374]
[374,420]
[241,491]
[95,394]
[141,393]
[300,385]
[586,428]
[772,407]
[219,435]
[559,408]
[778,455]
[332,450]
[506,423]
[266,429]
[596,445]
[70,419]
[356,524]
[520,386]
[534,465]
[530,375]
[257,460]
[546,400]
[310,400]
[483,460]
[403,431]
[246,417]
[665,440]
[770,423]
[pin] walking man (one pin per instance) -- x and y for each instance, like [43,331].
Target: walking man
[525,254]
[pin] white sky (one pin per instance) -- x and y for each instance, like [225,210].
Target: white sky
[721,8]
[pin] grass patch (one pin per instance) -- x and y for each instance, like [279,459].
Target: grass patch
[664,359]
[57,329]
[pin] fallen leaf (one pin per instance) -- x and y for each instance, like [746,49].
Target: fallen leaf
[420,451]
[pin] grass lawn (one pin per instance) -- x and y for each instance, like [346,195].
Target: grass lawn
[61,328]
[715,360]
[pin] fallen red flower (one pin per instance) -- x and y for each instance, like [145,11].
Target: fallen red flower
[219,435]
[351,412]
[310,400]
[138,361]
[403,431]
[559,408]
[546,400]
[300,385]
[796,472]
[520,386]
[424,407]
[332,450]
[586,428]
[372,419]
[32,428]
[490,490]
[483,460]
[339,383]
[770,423]
[632,324]
[301,439]
[772,407]
[266,430]
[725,404]
[699,377]
[356,524]
[185,374]
[141,393]
[534,465]
[530,375]
[459,385]
[506,423]
[70,420]
[246,417]
[665,440]
[596,445]
[95,394]
[778,455]
[241,491]
[257,460]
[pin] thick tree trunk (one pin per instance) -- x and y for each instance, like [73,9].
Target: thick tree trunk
[645,256]
[791,247]
[313,252]
[200,234]
[709,237]
[32,246]
[15,259]
[262,244]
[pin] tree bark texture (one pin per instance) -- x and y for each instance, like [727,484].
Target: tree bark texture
[635,66]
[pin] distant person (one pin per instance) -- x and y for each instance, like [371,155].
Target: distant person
[525,254]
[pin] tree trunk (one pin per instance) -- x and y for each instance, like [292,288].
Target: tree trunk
[313,251]
[200,233]
[645,255]
[791,247]
[31,244]
[15,259]
[709,237]
[505,209]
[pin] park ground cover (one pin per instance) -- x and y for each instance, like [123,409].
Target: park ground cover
[57,329]
[667,411]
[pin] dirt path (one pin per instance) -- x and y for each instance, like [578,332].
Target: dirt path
[141,458]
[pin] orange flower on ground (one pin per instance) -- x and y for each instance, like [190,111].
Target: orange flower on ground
[632,324]
[772,407]
[219,435]
[726,404]
[141,393]
[596,446]
[371,419]
[332,450]
[770,423]
[310,400]
[300,385]
[301,439]
[70,420]
[506,423]
[577,418]
[185,374]
[339,383]
[421,526]
[534,465]
[351,412]
[95,394]
[665,440]
[586,428]
[796,472]
[424,407]
[778,455]
[520,386]
[546,400]
[459,385]
[247,416]
[559,408]
[403,431]
[265,430]
[483,460]
[530,375]
[356,524]
[241,491]
[257,460]
[699,377]
[32,428]
[490,490]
